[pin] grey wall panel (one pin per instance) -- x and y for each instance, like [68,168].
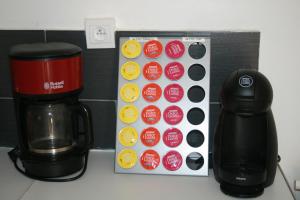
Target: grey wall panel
[8,38]
[231,51]
[8,128]
[100,70]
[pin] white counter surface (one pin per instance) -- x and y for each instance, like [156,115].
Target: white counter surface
[100,182]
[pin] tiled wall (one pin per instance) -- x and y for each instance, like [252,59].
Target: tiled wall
[230,51]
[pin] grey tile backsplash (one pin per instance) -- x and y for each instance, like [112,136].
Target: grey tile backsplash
[9,38]
[8,126]
[230,51]
[100,70]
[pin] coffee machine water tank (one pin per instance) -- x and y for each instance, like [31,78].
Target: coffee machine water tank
[245,141]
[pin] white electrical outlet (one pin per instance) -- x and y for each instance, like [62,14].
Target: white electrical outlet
[100,33]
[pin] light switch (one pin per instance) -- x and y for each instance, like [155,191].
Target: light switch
[100,33]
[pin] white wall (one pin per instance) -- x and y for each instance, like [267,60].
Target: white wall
[278,21]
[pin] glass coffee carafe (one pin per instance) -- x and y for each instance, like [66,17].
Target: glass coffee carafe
[53,127]
[50,128]
[56,134]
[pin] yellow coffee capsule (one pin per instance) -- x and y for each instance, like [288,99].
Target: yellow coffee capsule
[129,92]
[130,70]
[131,49]
[127,158]
[128,136]
[128,114]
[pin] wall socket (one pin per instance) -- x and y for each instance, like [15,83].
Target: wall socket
[297,185]
[100,33]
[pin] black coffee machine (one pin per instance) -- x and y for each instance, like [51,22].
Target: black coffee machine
[245,141]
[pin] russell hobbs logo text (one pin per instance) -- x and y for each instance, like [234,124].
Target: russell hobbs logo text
[53,85]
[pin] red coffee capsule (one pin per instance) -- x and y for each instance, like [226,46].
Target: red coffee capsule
[172,137]
[173,115]
[174,71]
[172,161]
[175,49]
[152,71]
[150,159]
[150,136]
[153,49]
[151,92]
[151,114]
[173,93]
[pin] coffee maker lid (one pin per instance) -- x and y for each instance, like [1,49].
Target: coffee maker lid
[47,50]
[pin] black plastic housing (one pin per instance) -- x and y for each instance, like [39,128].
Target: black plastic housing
[245,141]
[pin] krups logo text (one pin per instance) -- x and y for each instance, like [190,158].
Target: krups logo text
[53,85]
[240,178]
[246,81]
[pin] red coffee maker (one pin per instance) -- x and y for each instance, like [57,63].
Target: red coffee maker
[54,128]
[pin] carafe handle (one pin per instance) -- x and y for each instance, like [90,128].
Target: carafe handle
[84,112]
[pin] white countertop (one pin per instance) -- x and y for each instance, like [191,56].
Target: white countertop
[100,182]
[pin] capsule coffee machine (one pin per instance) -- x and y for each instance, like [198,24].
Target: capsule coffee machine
[245,141]
[54,128]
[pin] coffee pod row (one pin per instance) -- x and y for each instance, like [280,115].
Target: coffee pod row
[152,92]
[150,160]
[150,137]
[153,49]
[152,71]
[151,115]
